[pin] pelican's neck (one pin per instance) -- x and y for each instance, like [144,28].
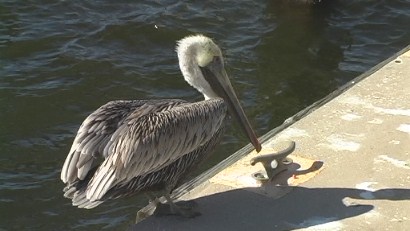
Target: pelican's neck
[188,49]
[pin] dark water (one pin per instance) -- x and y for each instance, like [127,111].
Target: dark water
[60,60]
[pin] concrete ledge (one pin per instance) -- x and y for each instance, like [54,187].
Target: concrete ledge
[361,134]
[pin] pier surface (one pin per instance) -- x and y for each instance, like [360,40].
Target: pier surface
[350,170]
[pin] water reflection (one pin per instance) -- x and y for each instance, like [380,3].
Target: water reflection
[297,62]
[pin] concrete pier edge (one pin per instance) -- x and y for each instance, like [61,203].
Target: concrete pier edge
[291,120]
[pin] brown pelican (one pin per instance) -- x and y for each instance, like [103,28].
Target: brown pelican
[131,146]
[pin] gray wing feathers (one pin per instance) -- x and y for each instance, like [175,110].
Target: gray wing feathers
[89,141]
[93,137]
[144,144]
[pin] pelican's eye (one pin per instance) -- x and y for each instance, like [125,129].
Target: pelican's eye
[217,61]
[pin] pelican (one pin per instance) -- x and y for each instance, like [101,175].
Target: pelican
[149,146]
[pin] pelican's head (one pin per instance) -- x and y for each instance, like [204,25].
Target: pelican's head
[196,52]
[202,66]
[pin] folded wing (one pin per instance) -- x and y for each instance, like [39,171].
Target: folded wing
[139,140]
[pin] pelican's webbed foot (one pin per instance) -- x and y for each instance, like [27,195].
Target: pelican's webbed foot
[182,208]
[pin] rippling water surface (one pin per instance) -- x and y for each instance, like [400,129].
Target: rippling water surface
[60,60]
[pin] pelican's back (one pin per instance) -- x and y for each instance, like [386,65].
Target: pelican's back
[172,136]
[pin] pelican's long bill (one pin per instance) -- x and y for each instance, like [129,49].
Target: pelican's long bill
[218,79]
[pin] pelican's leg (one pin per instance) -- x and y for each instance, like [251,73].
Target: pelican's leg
[152,199]
[141,215]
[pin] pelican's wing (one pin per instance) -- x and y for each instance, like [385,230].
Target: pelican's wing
[145,144]
[93,136]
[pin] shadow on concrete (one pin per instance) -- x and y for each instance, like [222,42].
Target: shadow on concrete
[241,209]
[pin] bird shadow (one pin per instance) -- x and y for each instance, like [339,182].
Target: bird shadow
[302,207]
